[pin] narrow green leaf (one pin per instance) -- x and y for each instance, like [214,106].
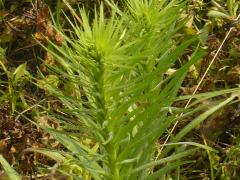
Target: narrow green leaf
[165,170]
[20,72]
[200,119]
[52,154]
[193,144]
[164,160]
[217,14]
[11,173]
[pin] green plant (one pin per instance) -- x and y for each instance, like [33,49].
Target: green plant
[2,3]
[12,88]
[119,94]
[10,172]
[230,166]
[224,10]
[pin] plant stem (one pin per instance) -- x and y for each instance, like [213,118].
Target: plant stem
[114,167]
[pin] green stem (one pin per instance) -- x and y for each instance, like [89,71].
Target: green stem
[113,165]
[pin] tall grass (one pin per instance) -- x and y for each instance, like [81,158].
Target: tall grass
[111,77]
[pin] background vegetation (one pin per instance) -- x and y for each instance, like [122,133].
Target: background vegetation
[131,89]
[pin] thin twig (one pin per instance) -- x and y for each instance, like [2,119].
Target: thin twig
[199,84]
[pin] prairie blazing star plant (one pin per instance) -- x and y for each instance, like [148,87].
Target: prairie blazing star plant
[111,77]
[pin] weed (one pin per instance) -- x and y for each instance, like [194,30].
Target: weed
[119,92]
